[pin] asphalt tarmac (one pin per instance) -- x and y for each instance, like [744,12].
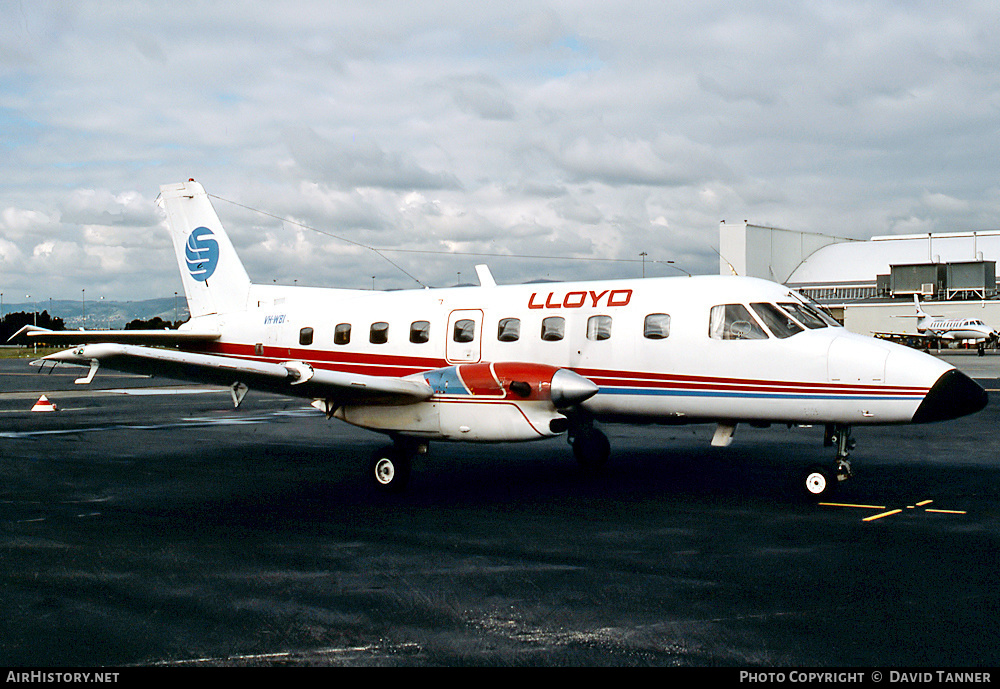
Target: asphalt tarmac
[145,524]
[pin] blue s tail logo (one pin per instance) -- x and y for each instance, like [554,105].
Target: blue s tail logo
[202,254]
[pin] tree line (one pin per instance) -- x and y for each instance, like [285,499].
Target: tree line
[12,322]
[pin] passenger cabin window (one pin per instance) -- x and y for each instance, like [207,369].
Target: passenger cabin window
[465,330]
[420,332]
[509,330]
[656,326]
[306,336]
[553,328]
[805,315]
[776,320]
[379,333]
[342,334]
[599,328]
[734,322]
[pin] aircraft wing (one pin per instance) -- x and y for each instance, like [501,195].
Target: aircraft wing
[151,337]
[294,378]
[906,338]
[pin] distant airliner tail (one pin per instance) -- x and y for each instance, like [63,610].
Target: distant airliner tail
[213,276]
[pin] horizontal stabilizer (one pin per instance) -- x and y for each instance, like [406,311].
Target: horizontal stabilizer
[150,337]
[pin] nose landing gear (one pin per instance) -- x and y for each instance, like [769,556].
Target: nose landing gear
[821,481]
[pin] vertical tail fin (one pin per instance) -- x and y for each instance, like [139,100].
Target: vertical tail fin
[920,310]
[214,279]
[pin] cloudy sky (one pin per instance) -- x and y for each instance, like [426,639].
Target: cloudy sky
[447,134]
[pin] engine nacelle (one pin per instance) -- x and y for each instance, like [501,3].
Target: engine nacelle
[485,402]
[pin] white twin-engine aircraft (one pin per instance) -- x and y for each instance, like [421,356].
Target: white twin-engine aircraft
[951,328]
[521,362]
[938,328]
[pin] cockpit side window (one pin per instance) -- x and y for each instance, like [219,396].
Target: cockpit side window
[734,322]
[776,320]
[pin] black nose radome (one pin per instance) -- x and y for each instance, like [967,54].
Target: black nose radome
[953,395]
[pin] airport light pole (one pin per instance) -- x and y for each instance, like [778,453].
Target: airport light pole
[34,345]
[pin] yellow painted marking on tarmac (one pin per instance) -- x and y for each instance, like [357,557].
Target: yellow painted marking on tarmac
[879,516]
[844,504]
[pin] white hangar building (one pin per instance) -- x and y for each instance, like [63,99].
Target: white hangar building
[869,283]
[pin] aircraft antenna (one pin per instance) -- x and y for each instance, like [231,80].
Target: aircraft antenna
[381,252]
[719,254]
[328,234]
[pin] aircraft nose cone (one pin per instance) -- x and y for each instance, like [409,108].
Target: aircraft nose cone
[570,388]
[953,395]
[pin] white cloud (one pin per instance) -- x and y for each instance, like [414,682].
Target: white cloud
[572,129]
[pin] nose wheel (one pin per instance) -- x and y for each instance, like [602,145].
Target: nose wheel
[819,482]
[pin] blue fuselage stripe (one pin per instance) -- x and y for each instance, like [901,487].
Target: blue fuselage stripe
[752,395]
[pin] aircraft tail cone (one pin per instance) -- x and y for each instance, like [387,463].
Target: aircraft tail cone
[44,404]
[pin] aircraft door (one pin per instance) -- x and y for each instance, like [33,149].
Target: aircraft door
[465,336]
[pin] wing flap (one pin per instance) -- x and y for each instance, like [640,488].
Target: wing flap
[294,378]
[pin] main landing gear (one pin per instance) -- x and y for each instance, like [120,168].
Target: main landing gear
[821,481]
[590,446]
[389,467]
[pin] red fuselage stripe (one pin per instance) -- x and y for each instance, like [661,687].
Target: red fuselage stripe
[400,366]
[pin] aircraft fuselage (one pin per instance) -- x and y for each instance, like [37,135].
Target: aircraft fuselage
[646,343]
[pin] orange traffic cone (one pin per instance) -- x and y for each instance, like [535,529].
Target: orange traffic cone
[43,404]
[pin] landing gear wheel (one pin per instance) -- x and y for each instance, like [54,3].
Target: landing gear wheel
[389,469]
[591,448]
[819,482]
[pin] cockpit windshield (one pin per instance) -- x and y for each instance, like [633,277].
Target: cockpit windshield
[776,320]
[807,315]
[763,319]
